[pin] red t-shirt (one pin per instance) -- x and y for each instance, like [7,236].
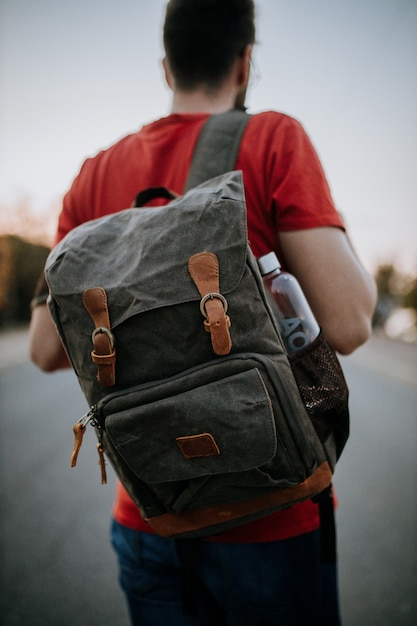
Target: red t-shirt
[285,190]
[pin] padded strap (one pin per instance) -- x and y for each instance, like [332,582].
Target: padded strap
[217,147]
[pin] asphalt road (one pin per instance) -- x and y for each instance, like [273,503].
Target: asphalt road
[57,567]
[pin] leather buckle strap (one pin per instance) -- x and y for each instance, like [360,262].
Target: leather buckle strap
[210,296]
[104,353]
[204,270]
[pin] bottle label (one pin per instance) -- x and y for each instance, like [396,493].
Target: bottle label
[294,337]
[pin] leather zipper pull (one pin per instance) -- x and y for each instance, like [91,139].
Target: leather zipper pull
[79,430]
[102,463]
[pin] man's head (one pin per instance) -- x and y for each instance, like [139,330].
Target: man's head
[203,39]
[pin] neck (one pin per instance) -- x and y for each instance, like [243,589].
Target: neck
[231,93]
[200,101]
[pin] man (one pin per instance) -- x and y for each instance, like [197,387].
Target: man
[269,571]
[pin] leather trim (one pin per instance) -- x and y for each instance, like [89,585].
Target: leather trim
[191,520]
[204,270]
[104,354]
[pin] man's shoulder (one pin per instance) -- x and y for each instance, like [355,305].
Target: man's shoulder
[150,133]
[275,119]
[120,145]
[273,130]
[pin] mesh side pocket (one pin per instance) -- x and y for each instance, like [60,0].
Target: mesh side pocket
[324,391]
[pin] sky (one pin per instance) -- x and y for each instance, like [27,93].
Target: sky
[77,75]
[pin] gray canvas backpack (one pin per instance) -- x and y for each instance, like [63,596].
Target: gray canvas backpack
[164,317]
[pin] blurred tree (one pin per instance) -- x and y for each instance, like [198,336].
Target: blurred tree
[409,300]
[21,264]
[389,285]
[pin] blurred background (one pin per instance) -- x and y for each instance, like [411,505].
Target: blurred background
[76,76]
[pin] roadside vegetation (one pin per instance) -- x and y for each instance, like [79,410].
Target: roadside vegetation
[22,261]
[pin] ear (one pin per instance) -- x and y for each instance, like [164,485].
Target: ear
[168,76]
[245,64]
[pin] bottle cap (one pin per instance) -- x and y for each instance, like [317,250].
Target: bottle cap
[268,263]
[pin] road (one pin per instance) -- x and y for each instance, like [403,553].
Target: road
[57,565]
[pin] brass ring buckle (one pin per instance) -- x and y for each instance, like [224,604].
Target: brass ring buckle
[211,296]
[106,331]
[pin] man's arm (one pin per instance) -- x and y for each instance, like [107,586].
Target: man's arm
[340,291]
[45,347]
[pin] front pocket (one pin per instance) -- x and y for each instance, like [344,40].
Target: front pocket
[221,427]
[211,435]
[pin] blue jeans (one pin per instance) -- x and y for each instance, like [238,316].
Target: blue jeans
[260,584]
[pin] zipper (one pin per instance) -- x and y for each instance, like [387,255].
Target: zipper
[88,418]
[281,392]
[242,356]
[79,431]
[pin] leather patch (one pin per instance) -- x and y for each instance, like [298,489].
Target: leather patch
[198,446]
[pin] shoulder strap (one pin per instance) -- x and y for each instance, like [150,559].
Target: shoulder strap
[217,146]
[215,153]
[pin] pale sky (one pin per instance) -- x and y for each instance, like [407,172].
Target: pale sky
[76,75]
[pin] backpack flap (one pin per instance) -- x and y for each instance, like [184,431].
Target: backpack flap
[140,258]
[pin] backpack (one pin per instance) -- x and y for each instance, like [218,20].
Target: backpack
[163,313]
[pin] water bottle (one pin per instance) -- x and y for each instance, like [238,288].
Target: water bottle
[297,324]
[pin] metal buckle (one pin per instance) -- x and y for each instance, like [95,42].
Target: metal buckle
[106,331]
[211,296]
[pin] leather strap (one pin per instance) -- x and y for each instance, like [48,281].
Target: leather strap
[152,193]
[204,270]
[103,354]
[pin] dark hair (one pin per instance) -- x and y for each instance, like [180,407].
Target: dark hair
[202,39]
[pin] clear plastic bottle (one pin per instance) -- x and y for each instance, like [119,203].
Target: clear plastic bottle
[297,324]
